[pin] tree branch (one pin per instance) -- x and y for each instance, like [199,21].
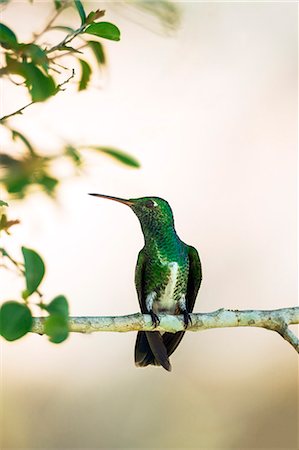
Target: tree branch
[276,320]
[20,111]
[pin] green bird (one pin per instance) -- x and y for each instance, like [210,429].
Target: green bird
[167,278]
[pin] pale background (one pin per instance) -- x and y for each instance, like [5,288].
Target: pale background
[211,113]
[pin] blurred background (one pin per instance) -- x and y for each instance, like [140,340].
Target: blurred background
[209,108]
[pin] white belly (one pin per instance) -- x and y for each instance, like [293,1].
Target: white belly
[166,300]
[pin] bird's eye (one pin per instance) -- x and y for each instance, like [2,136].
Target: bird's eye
[150,204]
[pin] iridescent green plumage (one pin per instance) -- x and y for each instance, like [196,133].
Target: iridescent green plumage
[167,277]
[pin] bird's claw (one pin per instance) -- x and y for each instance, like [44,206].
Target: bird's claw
[187,319]
[155,319]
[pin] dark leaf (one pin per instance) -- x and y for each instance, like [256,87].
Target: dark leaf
[36,54]
[15,320]
[73,154]
[94,15]
[48,183]
[98,51]
[17,134]
[20,174]
[105,30]
[40,86]
[58,307]
[2,203]
[5,224]
[34,269]
[56,327]
[124,158]
[85,75]
[81,11]
[7,37]
[58,4]
[16,178]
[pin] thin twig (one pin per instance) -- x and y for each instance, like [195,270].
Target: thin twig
[68,38]
[48,25]
[61,55]
[19,111]
[275,320]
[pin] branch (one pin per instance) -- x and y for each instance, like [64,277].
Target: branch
[20,111]
[275,320]
[68,38]
[50,22]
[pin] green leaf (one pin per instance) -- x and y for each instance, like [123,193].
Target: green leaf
[2,203]
[94,15]
[48,183]
[7,37]
[73,154]
[105,30]
[122,157]
[15,320]
[58,307]
[85,75]
[81,11]
[36,53]
[34,269]
[98,51]
[40,86]
[58,4]
[56,327]
[16,134]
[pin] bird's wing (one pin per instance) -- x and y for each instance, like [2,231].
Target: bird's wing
[149,348]
[139,274]
[194,278]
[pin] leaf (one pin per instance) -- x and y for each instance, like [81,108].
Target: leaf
[36,53]
[34,269]
[7,37]
[2,203]
[15,320]
[58,4]
[56,327]
[49,183]
[98,51]
[40,86]
[85,75]
[94,15]
[105,30]
[16,134]
[73,154]
[58,307]
[81,11]
[124,158]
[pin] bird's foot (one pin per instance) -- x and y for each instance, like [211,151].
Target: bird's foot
[187,319]
[155,319]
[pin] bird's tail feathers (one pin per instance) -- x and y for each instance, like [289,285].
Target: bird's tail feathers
[150,349]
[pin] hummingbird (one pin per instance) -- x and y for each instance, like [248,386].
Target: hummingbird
[167,278]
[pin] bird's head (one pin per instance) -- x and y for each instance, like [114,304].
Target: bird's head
[152,212]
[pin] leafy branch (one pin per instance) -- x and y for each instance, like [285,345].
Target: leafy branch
[35,64]
[31,61]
